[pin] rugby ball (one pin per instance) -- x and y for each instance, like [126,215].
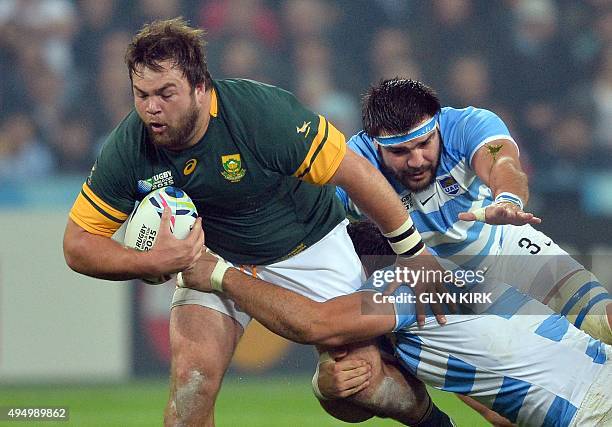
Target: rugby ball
[143,224]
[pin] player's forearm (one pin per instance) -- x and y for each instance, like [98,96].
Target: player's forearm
[371,192]
[297,318]
[102,257]
[507,176]
[283,312]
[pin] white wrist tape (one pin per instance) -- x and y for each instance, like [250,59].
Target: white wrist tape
[216,278]
[401,229]
[507,197]
[480,214]
[180,283]
[405,240]
[315,385]
[406,244]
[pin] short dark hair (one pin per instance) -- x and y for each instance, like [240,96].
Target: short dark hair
[372,247]
[397,105]
[174,40]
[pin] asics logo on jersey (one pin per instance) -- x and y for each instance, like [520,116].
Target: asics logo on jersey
[305,129]
[190,166]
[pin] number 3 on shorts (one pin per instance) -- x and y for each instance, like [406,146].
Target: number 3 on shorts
[529,245]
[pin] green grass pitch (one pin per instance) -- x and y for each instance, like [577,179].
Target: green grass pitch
[252,402]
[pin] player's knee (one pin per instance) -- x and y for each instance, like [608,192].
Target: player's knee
[388,397]
[389,392]
[194,381]
[194,394]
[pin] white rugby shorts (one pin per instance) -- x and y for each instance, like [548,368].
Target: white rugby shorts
[530,261]
[325,270]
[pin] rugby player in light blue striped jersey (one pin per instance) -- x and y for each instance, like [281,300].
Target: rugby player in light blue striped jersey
[514,356]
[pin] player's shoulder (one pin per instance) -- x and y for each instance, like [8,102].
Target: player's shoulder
[465,114]
[253,103]
[462,116]
[361,141]
[362,144]
[245,91]
[262,112]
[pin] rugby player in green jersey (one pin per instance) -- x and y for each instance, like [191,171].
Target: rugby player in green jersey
[261,170]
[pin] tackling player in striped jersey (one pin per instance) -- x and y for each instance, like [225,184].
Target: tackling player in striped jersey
[458,173]
[513,355]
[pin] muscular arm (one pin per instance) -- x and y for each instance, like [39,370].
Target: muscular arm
[373,194]
[103,258]
[370,191]
[297,318]
[497,164]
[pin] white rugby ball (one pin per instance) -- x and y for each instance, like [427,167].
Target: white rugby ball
[143,224]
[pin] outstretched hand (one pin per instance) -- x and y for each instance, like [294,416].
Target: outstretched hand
[501,213]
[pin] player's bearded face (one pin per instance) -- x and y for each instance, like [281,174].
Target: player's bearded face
[413,163]
[177,134]
[169,106]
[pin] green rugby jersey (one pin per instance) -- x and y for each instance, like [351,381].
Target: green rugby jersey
[257,175]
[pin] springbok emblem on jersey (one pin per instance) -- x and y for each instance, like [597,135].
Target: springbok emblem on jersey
[305,129]
[232,167]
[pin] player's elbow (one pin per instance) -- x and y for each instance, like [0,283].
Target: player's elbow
[509,167]
[323,331]
[73,247]
[71,254]
[334,340]
[318,334]
[306,330]
[317,324]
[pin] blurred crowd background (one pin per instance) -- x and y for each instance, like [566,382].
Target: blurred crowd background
[545,66]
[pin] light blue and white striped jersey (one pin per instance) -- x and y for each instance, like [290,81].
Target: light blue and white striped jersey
[456,188]
[516,356]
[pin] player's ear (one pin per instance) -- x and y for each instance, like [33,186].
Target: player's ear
[200,88]
[199,91]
